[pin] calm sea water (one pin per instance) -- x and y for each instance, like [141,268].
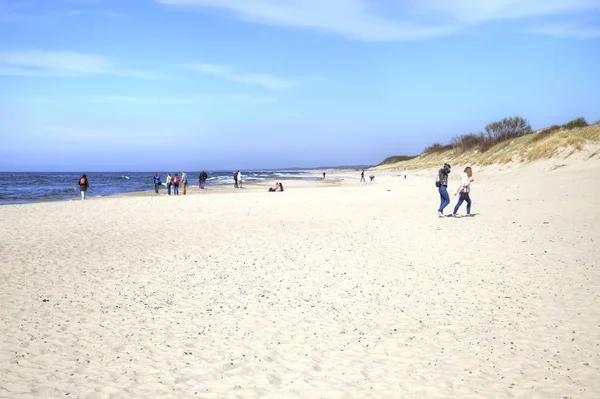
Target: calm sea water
[22,188]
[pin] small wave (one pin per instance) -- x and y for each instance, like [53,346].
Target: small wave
[125,177]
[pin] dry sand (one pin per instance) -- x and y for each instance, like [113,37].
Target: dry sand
[340,290]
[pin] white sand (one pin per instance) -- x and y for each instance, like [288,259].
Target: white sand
[354,290]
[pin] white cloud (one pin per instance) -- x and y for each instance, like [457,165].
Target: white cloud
[380,21]
[481,11]
[260,79]
[62,64]
[568,31]
[349,18]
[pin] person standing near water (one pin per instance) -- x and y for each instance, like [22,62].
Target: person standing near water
[464,189]
[176,184]
[83,185]
[184,182]
[239,179]
[235,182]
[202,179]
[362,176]
[157,183]
[442,184]
[169,183]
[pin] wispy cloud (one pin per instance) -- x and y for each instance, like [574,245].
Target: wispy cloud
[268,81]
[383,21]
[568,31]
[95,13]
[205,99]
[354,19]
[64,64]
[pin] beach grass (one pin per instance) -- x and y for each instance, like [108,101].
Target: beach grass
[542,144]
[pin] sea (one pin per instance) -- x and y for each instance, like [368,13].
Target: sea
[29,187]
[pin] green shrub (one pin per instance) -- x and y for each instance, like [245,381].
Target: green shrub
[437,147]
[507,129]
[396,159]
[469,141]
[579,122]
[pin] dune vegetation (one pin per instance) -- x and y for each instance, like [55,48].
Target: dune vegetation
[509,140]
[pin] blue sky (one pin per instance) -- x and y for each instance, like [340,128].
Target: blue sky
[110,85]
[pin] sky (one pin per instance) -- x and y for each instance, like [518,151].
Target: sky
[139,85]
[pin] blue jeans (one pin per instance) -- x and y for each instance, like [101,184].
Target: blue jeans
[156,186]
[444,198]
[202,184]
[175,190]
[464,197]
[169,188]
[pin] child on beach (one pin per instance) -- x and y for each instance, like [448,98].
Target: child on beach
[83,185]
[464,189]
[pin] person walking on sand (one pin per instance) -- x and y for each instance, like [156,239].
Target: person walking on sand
[176,180]
[235,182]
[442,184]
[83,185]
[362,176]
[184,182]
[405,173]
[202,179]
[323,175]
[157,183]
[464,190]
[169,182]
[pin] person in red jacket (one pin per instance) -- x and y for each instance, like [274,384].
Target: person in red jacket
[176,181]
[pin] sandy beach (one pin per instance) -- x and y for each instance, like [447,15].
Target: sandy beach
[331,289]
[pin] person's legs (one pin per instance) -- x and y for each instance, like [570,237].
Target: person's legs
[156,188]
[458,204]
[444,199]
[184,186]
[82,195]
[169,188]
[468,199]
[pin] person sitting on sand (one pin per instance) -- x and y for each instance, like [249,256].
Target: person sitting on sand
[372,177]
[464,189]
[277,188]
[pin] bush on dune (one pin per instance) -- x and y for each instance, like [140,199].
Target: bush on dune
[437,147]
[578,122]
[396,159]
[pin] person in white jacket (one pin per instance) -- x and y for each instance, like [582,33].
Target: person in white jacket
[464,190]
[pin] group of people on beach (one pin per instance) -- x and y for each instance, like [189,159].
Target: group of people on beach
[175,181]
[463,189]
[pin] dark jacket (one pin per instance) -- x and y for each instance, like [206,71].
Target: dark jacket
[443,176]
[203,176]
[85,185]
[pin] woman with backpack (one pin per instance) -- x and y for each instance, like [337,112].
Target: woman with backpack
[464,189]
[442,185]
[83,185]
[176,181]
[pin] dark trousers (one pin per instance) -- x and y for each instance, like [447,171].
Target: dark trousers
[464,197]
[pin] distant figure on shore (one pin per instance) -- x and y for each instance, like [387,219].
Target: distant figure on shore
[169,183]
[202,179]
[184,182]
[156,180]
[323,175]
[405,173]
[83,185]
[239,179]
[235,182]
[464,189]
[362,176]
[372,177]
[176,181]
[442,184]
[277,188]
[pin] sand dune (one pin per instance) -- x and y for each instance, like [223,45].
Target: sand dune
[324,291]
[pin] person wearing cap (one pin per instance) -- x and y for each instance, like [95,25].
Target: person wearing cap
[442,184]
